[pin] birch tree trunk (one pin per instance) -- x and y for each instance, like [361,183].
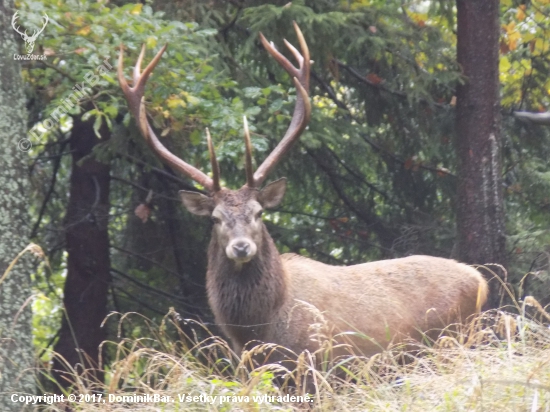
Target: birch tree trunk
[16,351]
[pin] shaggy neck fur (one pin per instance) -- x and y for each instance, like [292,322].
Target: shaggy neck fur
[245,298]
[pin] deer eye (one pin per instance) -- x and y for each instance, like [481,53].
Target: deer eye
[259,214]
[216,220]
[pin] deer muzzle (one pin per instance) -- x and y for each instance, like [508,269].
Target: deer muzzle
[241,250]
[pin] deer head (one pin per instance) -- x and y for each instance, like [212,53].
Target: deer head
[236,214]
[29,40]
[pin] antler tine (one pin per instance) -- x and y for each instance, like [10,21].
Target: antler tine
[294,51]
[248,155]
[214,163]
[137,67]
[135,99]
[302,110]
[282,60]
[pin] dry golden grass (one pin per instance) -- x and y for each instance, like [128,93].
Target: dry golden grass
[501,363]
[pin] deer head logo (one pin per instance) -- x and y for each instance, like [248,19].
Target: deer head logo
[29,40]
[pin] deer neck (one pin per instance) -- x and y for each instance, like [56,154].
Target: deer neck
[246,298]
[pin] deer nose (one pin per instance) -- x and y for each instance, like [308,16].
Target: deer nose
[241,249]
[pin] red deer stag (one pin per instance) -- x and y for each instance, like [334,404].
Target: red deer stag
[257,294]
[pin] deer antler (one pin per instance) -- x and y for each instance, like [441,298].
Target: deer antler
[248,155]
[302,110]
[134,97]
[300,118]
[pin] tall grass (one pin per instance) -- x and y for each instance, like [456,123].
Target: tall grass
[501,362]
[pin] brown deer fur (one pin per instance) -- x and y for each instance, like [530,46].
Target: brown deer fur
[274,298]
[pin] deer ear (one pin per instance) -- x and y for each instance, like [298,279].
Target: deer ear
[271,195]
[197,203]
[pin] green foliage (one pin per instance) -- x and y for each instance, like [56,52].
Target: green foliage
[524,55]
[390,76]
[46,307]
[191,91]
[525,80]
[373,176]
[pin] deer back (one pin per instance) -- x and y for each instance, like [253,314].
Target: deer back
[383,301]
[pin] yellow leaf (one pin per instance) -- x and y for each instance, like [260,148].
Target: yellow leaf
[513,38]
[520,14]
[136,9]
[541,46]
[528,36]
[84,31]
[174,102]
[151,42]
[504,64]
[419,19]
[540,17]
[510,27]
[193,100]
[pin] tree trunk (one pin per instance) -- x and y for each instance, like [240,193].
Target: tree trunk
[480,214]
[16,350]
[88,263]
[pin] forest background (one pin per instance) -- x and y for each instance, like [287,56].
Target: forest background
[374,176]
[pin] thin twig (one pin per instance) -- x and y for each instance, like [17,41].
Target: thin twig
[161,172]
[49,192]
[150,288]
[128,182]
[381,86]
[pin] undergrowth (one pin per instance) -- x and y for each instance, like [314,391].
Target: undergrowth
[501,362]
